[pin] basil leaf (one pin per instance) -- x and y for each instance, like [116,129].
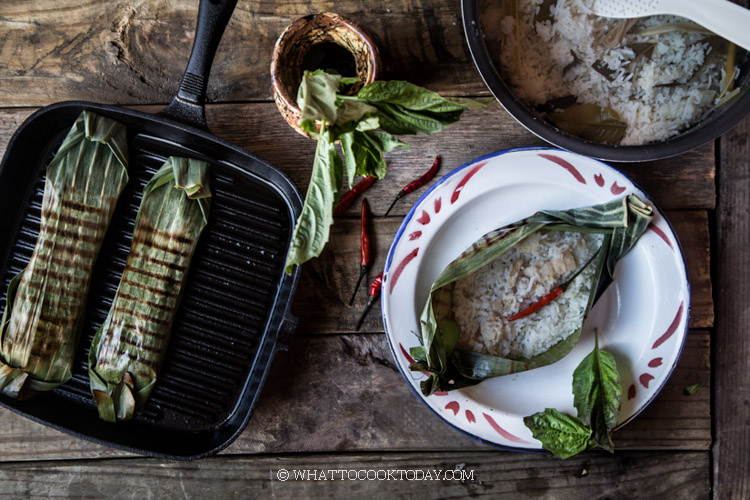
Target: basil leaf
[407,95]
[387,142]
[350,158]
[313,226]
[561,434]
[368,123]
[405,108]
[399,120]
[316,96]
[363,152]
[596,394]
[309,127]
[369,155]
[691,389]
[473,102]
[352,112]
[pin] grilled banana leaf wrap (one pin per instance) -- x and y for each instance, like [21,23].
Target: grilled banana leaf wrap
[46,302]
[621,222]
[129,347]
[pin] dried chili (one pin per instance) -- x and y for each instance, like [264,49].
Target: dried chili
[538,304]
[418,183]
[348,198]
[551,295]
[364,246]
[375,287]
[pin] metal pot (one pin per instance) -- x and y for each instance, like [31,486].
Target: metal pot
[710,128]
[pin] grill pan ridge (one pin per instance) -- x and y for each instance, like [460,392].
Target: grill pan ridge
[234,313]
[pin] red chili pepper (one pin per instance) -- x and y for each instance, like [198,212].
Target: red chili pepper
[552,295]
[364,247]
[538,304]
[375,286]
[414,185]
[348,198]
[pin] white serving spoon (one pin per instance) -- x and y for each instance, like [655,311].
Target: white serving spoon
[724,18]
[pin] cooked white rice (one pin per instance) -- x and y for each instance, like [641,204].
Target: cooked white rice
[483,301]
[657,97]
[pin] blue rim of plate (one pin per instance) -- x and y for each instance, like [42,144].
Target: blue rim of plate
[444,179]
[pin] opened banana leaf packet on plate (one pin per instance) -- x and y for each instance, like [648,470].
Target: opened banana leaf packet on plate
[518,297]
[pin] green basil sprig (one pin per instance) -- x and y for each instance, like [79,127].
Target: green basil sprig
[365,125]
[559,433]
[596,396]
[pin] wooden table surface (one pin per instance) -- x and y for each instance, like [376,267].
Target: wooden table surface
[336,399]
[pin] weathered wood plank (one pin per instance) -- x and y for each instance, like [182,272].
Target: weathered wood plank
[732,345]
[685,182]
[594,475]
[135,52]
[327,282]
[344,393]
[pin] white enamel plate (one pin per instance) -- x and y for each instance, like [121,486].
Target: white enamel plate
[642,318]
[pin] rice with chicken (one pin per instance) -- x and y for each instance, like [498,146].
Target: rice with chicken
[484,300]
[662,76]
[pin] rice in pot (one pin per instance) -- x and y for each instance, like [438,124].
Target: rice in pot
[483,301]
[657,84]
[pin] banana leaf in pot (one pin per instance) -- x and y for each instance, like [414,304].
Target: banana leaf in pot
[620,222]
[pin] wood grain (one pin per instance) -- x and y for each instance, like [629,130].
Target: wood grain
[134,52]
[732,347]
[495,475]
[341,393]
[327,282]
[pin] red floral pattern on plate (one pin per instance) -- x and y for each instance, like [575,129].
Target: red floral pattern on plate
[616,189]
[462,183]
[400,268]
[566,165]
[631,391]
[424,219]
[507,435]
[654,363]
[671,329]
[454,407]
[661,234]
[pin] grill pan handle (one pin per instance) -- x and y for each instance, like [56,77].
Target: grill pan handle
[187,105]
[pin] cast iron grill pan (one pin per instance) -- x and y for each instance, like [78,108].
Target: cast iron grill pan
[234,313]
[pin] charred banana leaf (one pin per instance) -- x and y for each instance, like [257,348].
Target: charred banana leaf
[621,222]
[129,347]
[46,302]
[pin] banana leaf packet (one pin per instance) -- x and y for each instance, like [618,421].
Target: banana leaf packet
[621,222]
[129,347]
[46,302]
